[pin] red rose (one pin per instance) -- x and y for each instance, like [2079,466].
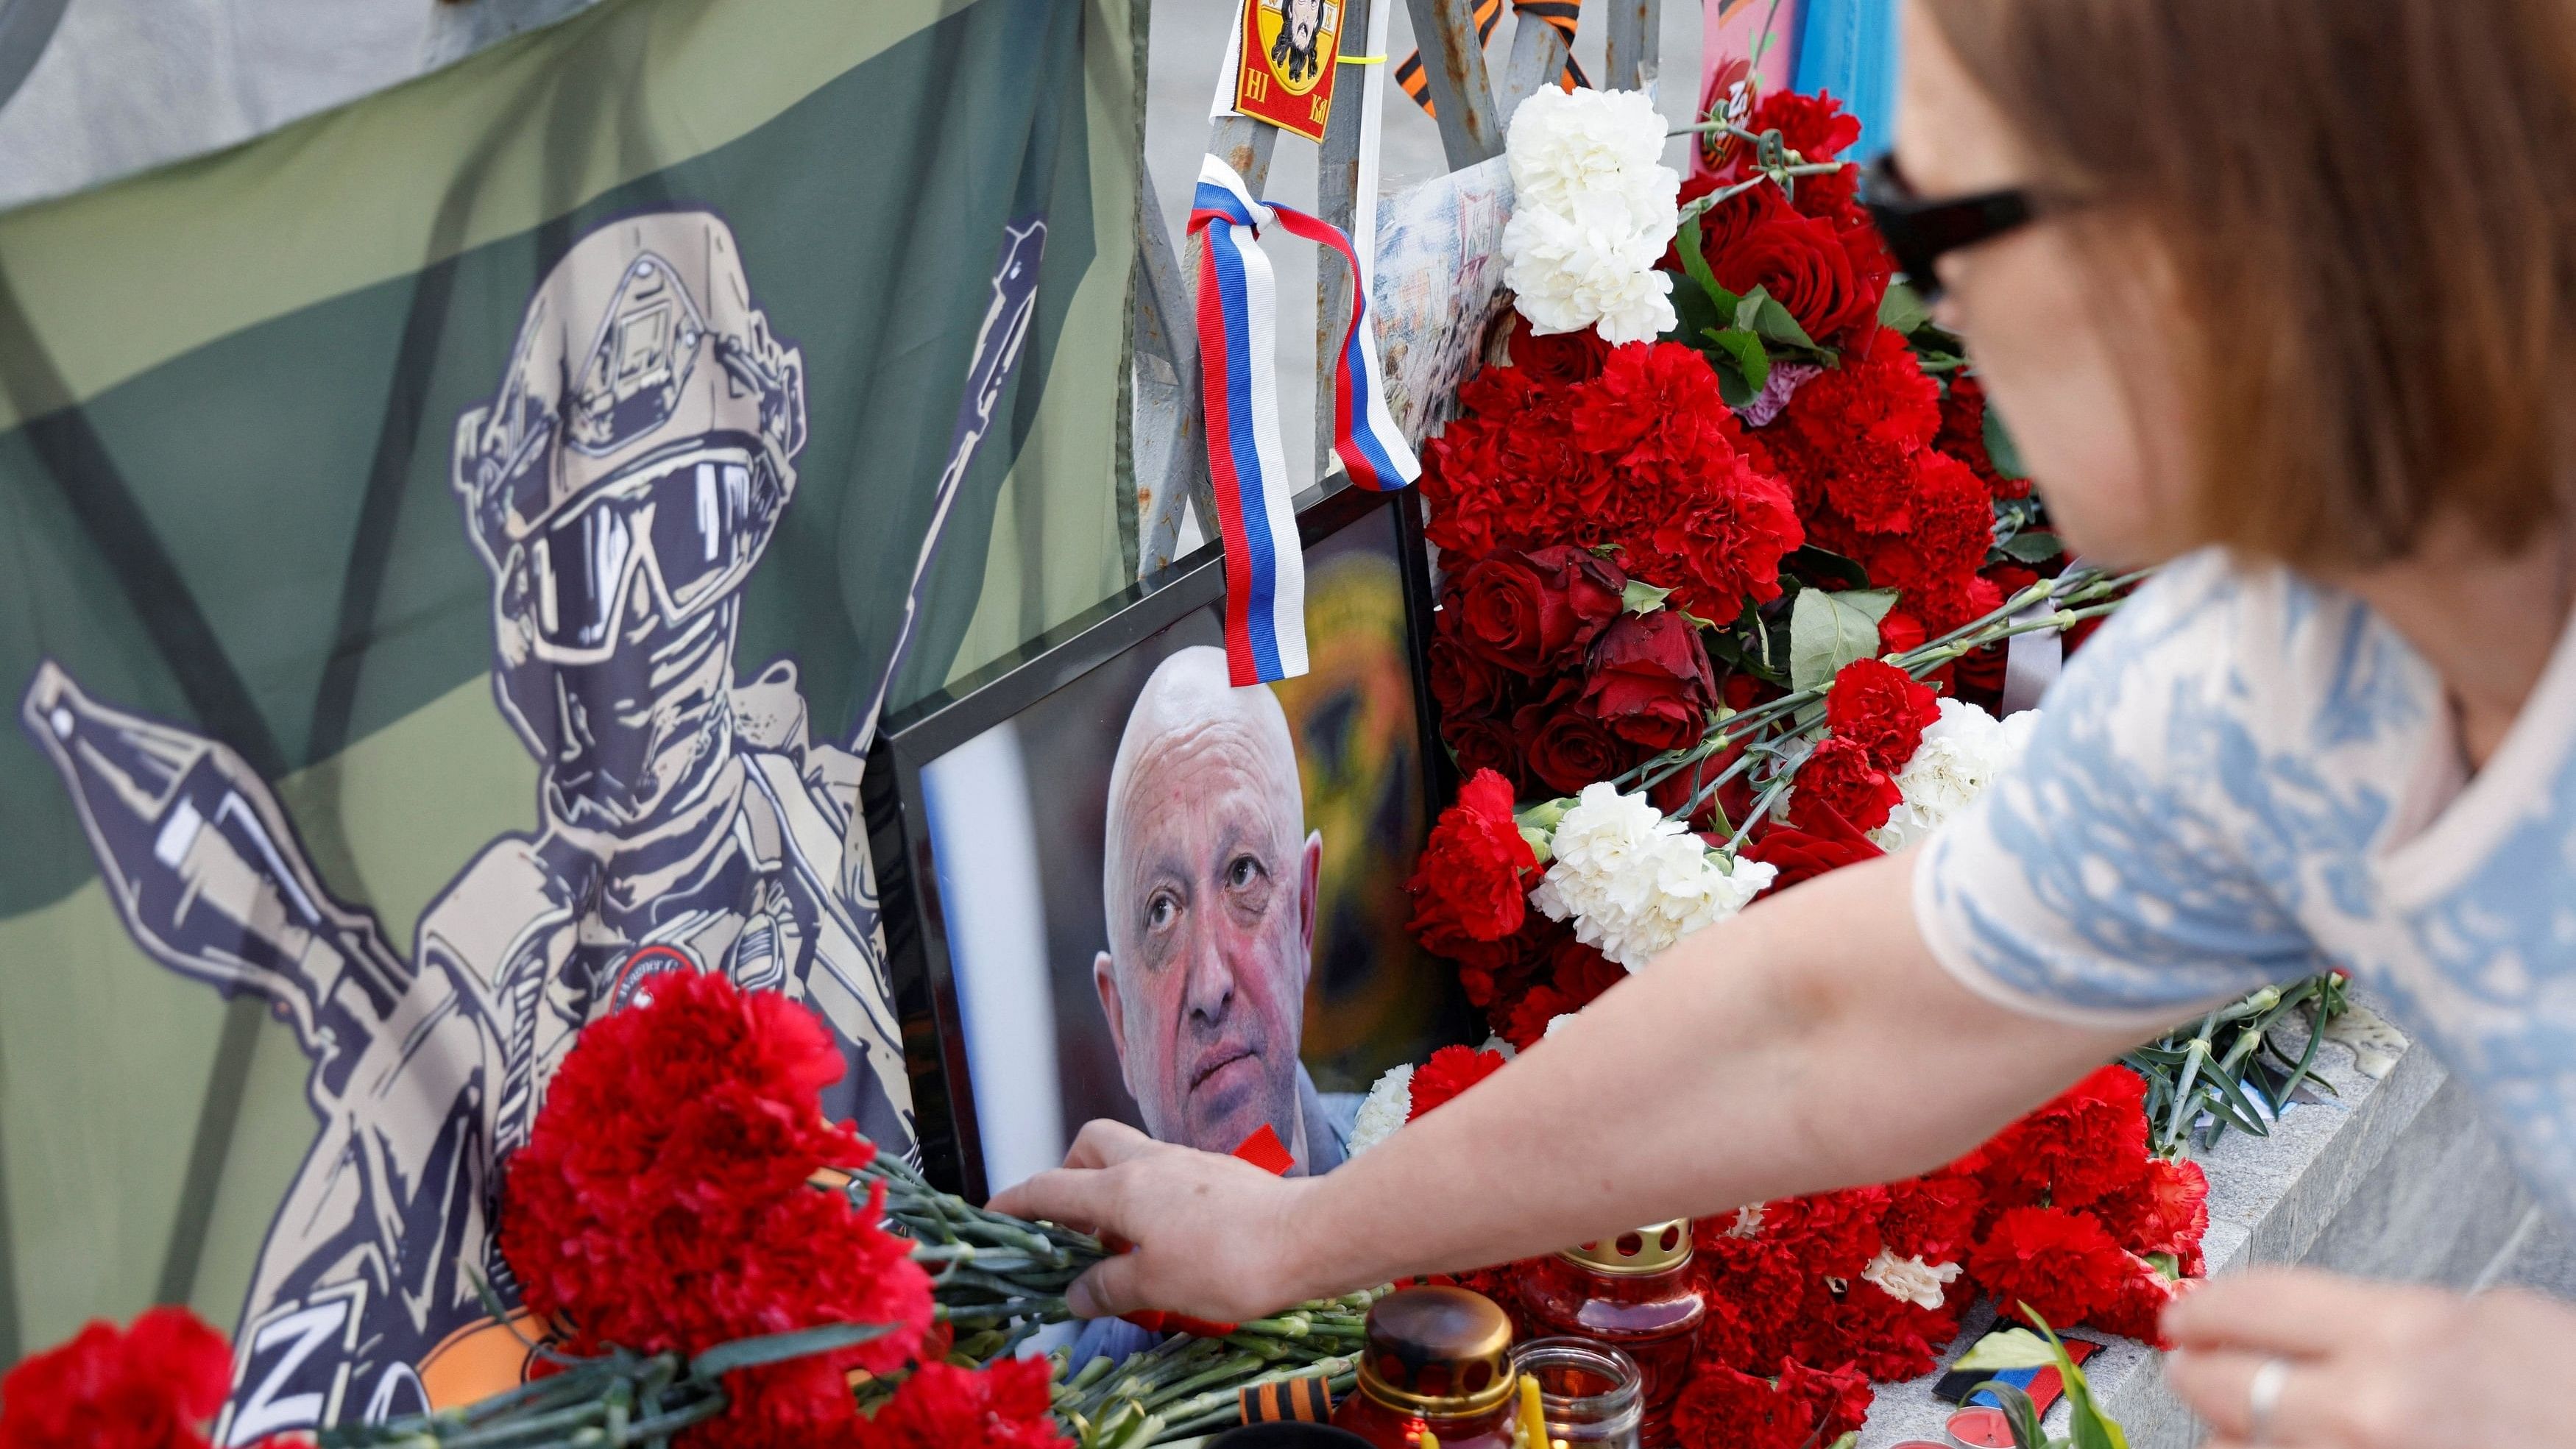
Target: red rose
[1566,749]
[1558,359]
[1463,683]
[1829,843]
[1649,681]
[1483,742]
[1533,613]
[1839,776]
[1802,262]
[941,1406]
[1451,1070]
[1879,707]
[661,1204]
[152,1386]
[2060,1263]
[1470,882]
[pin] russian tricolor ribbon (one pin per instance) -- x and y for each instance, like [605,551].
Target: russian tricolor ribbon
[1265,569]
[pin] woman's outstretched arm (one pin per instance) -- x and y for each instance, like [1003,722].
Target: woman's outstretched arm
[1812,1042]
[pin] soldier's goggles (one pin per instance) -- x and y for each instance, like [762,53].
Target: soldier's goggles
[692,523]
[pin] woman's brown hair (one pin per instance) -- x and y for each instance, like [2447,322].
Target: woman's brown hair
[2370,210]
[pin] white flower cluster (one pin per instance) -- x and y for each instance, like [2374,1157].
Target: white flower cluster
[1592,211]
[1385,1108]
[1910,1280]
[1963,753]
[1634,882]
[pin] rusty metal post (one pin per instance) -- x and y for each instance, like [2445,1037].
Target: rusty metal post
[1462,97]
[1538,58]
[1634,44]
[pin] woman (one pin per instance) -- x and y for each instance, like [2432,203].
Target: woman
[2283,296]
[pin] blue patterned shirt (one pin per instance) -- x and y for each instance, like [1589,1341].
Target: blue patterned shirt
[2246,778]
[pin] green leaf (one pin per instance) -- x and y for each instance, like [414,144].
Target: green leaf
[1826,566]
[1641,597]
[2005,1348]
[2036,546]
[1752,365]
[1695,266]
[1748,308]
[2000,448]
[1773,321]
[1828,630]
[744,1353]
[1902,308]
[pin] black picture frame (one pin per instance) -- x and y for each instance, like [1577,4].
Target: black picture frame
[896,812]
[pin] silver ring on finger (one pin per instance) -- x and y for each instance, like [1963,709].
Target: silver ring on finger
[2263,1398]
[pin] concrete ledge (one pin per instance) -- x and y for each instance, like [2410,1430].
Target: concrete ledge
[2396,1178]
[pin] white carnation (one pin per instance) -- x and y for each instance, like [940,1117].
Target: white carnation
[1910,1280]
[1593,210]
[1634,882]
[1963,753]
[1383,1110]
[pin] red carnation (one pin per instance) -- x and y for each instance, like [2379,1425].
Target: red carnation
[942,1406]
[1469,882]
[2060,1263]
[1826,842]
[1816,127]
[1451,1070]
[151,1386]
[1879,707]
[661,1203]
[2087,1142]
[1649,681]
[2166,1210]
[1536,612]
[1932,1217]
[1839,776]
[2136,1309]
[1724,1408]
[1884,1336]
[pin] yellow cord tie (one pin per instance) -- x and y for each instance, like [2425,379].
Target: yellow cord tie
[1361,59]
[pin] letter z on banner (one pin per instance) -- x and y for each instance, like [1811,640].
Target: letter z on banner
[1265,569]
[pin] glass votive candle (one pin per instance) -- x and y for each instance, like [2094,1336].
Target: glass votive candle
[1980,1427]
[1438,1361]
[1590,1393]
[1634,1292]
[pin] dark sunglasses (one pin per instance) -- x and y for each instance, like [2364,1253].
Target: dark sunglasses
[1920,230]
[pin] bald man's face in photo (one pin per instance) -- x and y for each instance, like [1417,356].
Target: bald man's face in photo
[1211,898]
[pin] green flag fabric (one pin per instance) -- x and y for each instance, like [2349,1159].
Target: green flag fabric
[456,549]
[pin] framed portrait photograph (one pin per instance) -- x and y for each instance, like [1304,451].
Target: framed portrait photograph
[1115,886]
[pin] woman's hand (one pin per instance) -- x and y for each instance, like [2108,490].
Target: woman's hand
[2373,1365]
[1214,1235]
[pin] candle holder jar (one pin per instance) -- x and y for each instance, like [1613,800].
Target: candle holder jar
[1589,1393]
[1635,1293]
[1438,1360]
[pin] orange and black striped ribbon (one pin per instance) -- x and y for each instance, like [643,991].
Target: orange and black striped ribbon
[1307,1399]
[1558,13]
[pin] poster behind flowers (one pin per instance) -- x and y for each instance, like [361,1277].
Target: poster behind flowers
[459,543]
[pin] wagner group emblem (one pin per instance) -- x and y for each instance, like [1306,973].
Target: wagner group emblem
[1289,54]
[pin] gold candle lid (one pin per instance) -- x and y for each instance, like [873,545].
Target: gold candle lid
[1438,1352]
[1654,1248]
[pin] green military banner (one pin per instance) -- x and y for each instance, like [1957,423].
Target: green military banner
[458,548]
